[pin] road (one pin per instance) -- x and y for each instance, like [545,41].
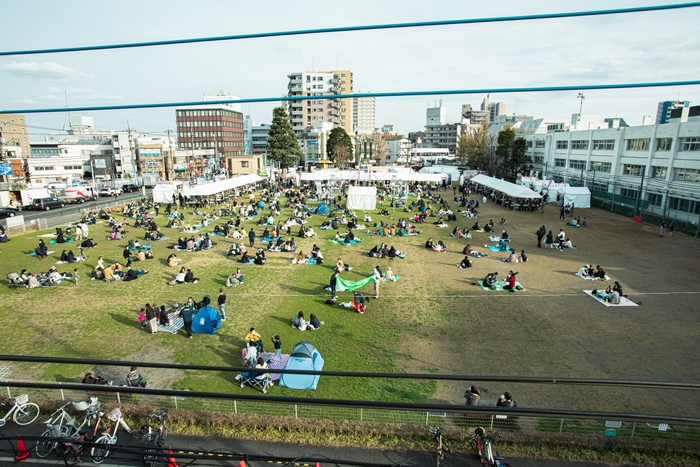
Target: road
[226,452]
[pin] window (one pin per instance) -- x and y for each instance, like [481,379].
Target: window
[687,175]
[601,166]
[599,186]
[577,164]
[562,145]
[654,199]
[538,159]
[539,143]
[639,144]
[690,144]
[628,192]
[635,170]
[663,144]
[603,144]
[685,205]
[559,162]
[658,172]
[245,163]
[528,143]
[580,145]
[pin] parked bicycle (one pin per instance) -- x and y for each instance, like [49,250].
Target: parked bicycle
[100,453]
[481,442]
[62,425]
[152,438]
[88,434]
[442,445]
[22,411]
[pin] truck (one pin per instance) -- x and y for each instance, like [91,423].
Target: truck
[80,194]
[26,197]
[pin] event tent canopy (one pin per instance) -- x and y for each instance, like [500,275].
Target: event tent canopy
[579,195]
[507,188]
[360,175]
[163,193]
[363,198]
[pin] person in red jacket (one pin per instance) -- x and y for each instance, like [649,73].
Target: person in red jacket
[510,281]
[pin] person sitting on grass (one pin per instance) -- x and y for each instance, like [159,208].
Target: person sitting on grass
[314,323]
[490,280]
[506,400]
[92,379]
[466,263]
[429,243]
[234,279]
[135,380]
[510,281]
[298,322]
[440,247]
[511,258]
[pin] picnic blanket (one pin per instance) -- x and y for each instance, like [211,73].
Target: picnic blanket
[497,239]
[52,235]
[67,240]
[191,231]
[497,248]
[402,256]
[350,286]
[267,239]
[176,323]
[140,247]
[476,254]
[623,301]
[275,363]
[33,253]
[387,280]
[500,284]
[352,242]
[161,239]
[250,261]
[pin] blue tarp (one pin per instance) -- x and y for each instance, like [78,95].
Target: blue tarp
[304,356]
[261,204]
[322,208]
[206,321]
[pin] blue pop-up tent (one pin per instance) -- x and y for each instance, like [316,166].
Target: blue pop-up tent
[322,208]
[206,321]
[304,357]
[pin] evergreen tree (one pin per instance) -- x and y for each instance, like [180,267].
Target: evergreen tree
[282,144]
[339,146]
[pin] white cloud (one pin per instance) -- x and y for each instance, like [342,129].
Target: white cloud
[26,101]
[50,71]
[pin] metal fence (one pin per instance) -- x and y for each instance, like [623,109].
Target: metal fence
[590,429]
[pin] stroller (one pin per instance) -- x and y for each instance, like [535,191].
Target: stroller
[256,379]
[359,302]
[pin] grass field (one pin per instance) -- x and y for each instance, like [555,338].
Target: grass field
[433,320]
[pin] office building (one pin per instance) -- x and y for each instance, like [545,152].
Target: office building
[496,109]
[305,113]
[664,109]
[259,136]
[436,115]
[472,116]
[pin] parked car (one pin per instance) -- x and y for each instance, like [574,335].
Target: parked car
[110,192]
[47,203]
[130,188]
[7,212]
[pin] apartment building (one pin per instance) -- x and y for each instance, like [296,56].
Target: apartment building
[363,115]
[312,86]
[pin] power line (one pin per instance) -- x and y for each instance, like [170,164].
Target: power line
[371,27]
[443,92]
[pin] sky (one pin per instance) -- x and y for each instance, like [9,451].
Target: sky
[639,47]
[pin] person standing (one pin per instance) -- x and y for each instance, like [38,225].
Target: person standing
[562,212]
[157,208]
[127,255]
[86,230]
[662,229]
[472,395]
[151,318]
[333,284]
[561,236]
[187,314]
[377,276]
[277,343]
[540,235]
[79,232]
[251,237]
[222,304]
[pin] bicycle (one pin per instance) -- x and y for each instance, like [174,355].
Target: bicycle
[23,412]
[62,425]
[443,446]
[481,442]
[73,451]
[100,453]
[153,438]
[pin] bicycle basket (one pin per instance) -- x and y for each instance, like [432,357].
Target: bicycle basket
[21,399]
[115,414]
[80,406]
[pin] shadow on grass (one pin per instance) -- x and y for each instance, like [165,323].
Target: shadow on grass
[133,323]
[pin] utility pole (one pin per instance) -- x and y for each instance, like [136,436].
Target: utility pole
[170,159]
[580,107]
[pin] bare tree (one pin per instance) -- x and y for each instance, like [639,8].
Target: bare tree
[343,155]
[381,149]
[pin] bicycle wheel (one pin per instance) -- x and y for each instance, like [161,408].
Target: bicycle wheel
[153,458]
[71,456]
[163,430]
[445,446]
[100,453]
[26,414]
[44,447]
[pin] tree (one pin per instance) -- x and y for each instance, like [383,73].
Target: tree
[506,137]
[379,148]
[519,160]
[474,146]
[282,144]
[339,146]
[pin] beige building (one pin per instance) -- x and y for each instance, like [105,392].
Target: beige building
[13,128]
[310,84]
[244,164]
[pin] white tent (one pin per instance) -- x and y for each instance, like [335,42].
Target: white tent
[208,189]
[363,198]
[579,195]
[163,193]
[451,171]
[507,188]
[408,175]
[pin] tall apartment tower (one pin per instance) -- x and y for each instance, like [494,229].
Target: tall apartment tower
[363,111]
[663,111]
[305,113]
[496,109]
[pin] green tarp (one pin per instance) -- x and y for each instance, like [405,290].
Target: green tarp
[350,286]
